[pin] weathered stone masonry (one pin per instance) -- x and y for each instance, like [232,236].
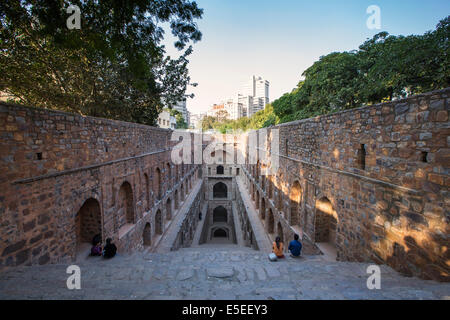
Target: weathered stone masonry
[379,173]
[64,177]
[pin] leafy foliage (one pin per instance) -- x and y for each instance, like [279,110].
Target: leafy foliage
[384,68]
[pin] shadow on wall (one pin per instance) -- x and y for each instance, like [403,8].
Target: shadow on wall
[412,259]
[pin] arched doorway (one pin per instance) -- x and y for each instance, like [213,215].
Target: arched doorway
[270,186]
[147,235]
[158,190]
[220,190]
[176,200]
[280,232]
[257,200]
[295,200]
[325,222]
[169,209]
[125,208]
[88,222]
[270,222]
[263,209]
[147,191]
[220,214]
[158,223]
[169,175]
[220,233]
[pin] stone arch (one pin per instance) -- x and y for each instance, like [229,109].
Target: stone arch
[125,205]
[270,221]
[219,233]
[182,193]
[147,235]
[220,190]
[220,170]
[270,186]
[158,223]
[295,198]
[169,175]
[263,209]
[280,190]
[280,232]
[169,209]
[88,221]
[220,214]
[158,188]
[147,191]
[325,224]
[176,200]
[257,199]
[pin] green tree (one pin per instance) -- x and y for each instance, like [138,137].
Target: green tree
[385,67]
[114,66]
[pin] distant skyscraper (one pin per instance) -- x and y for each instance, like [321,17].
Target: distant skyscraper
[181,107]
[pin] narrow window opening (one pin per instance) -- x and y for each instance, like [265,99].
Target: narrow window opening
[362,157]
[425,156]
[39,156]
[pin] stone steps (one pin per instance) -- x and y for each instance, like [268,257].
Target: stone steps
[207,272]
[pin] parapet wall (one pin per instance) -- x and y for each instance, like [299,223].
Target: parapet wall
[380,174]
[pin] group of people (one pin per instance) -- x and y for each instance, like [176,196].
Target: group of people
[295,247]
[108,251]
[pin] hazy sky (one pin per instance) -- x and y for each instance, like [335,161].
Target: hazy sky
[279,39]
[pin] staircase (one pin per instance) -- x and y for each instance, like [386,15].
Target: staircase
[214,272]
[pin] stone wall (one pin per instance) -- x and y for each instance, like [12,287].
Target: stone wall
[247,231]
[59,172]
[384,169]
[189,224]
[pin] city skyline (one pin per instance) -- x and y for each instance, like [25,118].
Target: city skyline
[279,41]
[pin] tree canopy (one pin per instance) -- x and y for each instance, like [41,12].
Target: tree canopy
[384,68]
[115,66]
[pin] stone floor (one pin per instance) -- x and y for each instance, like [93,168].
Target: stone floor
[208,272]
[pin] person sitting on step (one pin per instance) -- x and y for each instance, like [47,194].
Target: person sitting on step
[96,249]
[295,247]
[278,248]
[110,249]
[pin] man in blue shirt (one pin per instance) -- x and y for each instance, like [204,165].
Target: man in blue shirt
[295,247]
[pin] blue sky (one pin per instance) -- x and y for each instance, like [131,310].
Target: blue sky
[279,39]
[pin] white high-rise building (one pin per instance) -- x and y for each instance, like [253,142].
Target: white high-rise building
[234,108]
[181,107]
[246,103]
